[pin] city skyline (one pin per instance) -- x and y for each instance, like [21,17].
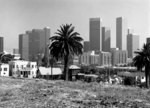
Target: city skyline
[33,45]
[18,16]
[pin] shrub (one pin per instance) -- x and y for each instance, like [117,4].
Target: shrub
[142,85]
[129,81]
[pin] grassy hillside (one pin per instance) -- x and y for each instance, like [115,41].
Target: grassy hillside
[40,93]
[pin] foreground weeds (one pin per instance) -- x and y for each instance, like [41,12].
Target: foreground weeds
[40,93]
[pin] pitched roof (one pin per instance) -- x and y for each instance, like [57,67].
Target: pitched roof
[74,67]
[47,71]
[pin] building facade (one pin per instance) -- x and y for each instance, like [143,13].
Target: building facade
[94,59]
[21,68]
[4,70]
[86,46]
[24,46]
[33,45]
[105,59]
[1,44]
[84,59]
[119,57]
[147,40]
[95,34]
[121,33]
[15,51]
[132,44]
[106,39]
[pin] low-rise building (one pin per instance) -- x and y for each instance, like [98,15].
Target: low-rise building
[105,58]
[119,57]
[94,59]
[4,70]
[21,68]
[85,58]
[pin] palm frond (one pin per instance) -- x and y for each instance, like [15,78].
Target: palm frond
[142,57]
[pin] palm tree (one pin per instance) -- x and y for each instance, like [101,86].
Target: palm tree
[65,43]
[52,62]
[142,59]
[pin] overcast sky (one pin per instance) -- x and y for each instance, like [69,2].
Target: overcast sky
[17,16]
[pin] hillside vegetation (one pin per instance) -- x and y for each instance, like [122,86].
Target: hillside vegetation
[40,93]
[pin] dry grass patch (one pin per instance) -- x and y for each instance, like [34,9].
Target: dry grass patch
[41,93]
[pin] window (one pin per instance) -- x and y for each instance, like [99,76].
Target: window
[28,65]
[22,66]
[0,69]
[13,66]
[5,69]
[32,66]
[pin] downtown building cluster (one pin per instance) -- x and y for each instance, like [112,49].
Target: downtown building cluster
[33,45]
[98,50]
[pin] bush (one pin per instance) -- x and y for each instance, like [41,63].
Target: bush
[142,85]
[129,81]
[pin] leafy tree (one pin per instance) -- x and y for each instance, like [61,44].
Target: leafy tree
[65,43]
[142,59]
[5,58]
[44,61]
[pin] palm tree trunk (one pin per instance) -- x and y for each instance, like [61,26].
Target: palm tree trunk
[66,68]
[147,76]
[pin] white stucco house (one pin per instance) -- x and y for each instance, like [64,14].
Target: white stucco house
[4,70]
[21,68]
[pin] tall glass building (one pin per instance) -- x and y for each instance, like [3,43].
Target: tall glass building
[95,34]
[121,33]
[34,44]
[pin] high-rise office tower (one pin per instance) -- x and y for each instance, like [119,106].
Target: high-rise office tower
[24,46]
[1,44]
[121,33]
[132,44]
[105,39]
[86,46]
[147,40]
[95,34]
[33,45]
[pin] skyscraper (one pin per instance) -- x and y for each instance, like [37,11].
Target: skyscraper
[105,39]
[147,40]
[33,44]
[86,46]
[132,44]
[1,44]
[121,33]
[95,34]
[24,46]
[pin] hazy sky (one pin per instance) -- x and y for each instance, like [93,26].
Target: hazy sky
[17,16]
